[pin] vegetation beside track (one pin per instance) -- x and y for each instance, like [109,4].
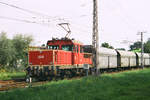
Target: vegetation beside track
[11,75]
[130,85]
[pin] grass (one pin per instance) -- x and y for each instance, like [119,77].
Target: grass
[131,85]
[11,75]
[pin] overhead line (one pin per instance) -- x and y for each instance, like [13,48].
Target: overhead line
[21,20]
[29,11]
[33,12]
[9,18]
[34,22]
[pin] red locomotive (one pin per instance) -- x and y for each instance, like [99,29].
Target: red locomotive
[61,57]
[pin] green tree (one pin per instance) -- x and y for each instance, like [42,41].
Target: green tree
[123,49]
[6,50]
[135,46]
[14,52]
[106,45]
[43,45]
[21,43]
[147,47]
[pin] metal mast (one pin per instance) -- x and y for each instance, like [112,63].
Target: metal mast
[142,50]
[95,38]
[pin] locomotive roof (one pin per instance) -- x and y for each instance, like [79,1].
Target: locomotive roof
[65,40]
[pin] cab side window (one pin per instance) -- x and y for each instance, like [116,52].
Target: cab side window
[67,47]
[81,49]
[53,47]
[76,48]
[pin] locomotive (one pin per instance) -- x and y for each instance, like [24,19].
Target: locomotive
[61,58]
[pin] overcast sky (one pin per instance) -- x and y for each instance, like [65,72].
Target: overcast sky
[118,19]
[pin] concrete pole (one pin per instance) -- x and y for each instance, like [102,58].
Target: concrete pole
[142,50]
[95,38]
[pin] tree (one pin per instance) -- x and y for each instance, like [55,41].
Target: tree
[147,47]
[21,43]
[135,46]
[6,50]
[14,52]
[106,45]
[43,45]
[121,49]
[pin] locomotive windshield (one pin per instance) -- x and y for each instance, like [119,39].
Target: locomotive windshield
[67,47]
[54,47]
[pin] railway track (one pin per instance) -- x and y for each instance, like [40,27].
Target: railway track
[12,84]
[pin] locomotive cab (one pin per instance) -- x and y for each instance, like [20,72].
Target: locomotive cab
[72,50]
[65,44]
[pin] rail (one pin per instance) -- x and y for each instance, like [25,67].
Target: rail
[11,84]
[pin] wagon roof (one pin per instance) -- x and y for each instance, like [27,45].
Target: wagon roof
[107,51]
[126,53]
[144,55]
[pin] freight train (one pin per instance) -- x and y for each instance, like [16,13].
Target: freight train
[68,57]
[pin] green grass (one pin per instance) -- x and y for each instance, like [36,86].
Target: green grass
[131,85]
[9,75]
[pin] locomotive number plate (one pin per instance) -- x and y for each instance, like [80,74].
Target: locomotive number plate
[40,57]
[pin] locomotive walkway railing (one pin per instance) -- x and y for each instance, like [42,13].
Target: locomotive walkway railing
[34,48]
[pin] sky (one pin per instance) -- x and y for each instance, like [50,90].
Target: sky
[118,20]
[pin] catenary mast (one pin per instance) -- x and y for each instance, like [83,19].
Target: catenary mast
[95,38]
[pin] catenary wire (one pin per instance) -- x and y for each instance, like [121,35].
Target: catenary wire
[33,12]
